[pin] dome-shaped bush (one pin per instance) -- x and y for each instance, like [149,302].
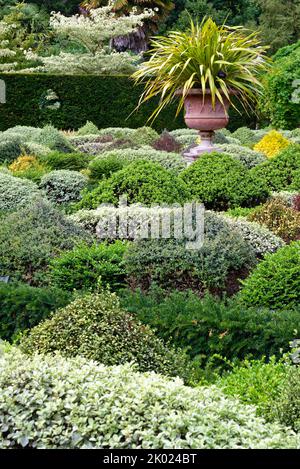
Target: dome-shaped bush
[143,182]
[275,282]
[215,266]
[279,171]
[272,144]
[220,182]
[116,407]
[95,327]
[63,186]
[16,193]
[249,158]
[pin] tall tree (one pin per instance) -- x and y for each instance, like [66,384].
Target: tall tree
[279,22]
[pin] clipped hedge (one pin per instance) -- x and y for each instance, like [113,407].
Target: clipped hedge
[104,100]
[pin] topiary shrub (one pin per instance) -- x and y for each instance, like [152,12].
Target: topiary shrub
[88,129]
[258,237]
[249,158]
[28,167]
[101,168]
[221,182]
[272,144]
[37,150]
[16,193]
[279,171]
[245,135]
[97,403]
[23,306]
[208,326]
[275,282]
[10,148]
[143,182]
[279,218]
[31,237]
[63,186]
[70,161]
[53,139]
[95,327]
[87,267]
[171,161]
[223,257]
[144,136]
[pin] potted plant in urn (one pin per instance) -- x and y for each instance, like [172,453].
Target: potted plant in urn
[205,66]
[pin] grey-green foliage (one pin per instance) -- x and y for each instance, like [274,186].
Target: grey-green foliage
[63,186]
[140,136]
[248,157]
[52,402]
[31,237]
[169,263]
[261,240]
[50,137]
[10,147]
[168,160]
[97,328]
[88,129]
[16,193]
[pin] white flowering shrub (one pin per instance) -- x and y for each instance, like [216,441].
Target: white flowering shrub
[260,238]
[16,193]
[104,62]
[51,402]
[93,32]
[246,156]
[63,186]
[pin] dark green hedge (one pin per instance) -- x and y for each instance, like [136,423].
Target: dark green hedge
[106,101]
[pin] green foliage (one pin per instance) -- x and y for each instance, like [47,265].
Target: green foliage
[52,402]
[88,129]
[95,327]
[221,182]
[208,326]
[249,158]
[275,282]
[245,135]
[63,186]
[30,237]
[87,267]
[10,148]
[286,405]
[105,166]
[212,58]
[277,104]
[107,101]
[215,266]
[278,172]
[142,181]
[16,193]
[23,306]
[70,161]
[256,382]
[171,161]
[50,137]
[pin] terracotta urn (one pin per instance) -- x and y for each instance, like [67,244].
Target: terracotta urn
[200,115]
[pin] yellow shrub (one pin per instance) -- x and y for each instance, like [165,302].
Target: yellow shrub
[23,163]
[272,143]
